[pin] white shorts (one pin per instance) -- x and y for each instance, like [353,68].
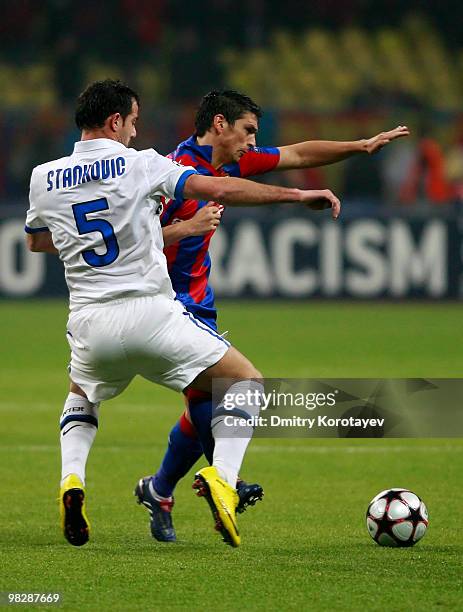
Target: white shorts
[153,336]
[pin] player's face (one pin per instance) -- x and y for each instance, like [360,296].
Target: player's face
[237,138]
[127,131]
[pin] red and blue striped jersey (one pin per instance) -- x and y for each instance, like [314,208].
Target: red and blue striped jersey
[188,260]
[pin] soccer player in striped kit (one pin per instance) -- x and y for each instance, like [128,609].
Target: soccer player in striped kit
[224,144]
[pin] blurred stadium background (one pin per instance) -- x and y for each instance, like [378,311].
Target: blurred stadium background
[336,70]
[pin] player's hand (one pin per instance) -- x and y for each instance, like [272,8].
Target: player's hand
[372,145]
[205,220]
[320,199]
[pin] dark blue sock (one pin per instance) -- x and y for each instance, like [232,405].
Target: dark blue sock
[200,406]
[183,450]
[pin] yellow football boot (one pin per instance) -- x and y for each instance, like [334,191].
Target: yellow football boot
[74,521]
[223,500]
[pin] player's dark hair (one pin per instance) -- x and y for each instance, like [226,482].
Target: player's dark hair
[102,99]
[227,102]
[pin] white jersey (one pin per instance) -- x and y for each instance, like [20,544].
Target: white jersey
[101,205]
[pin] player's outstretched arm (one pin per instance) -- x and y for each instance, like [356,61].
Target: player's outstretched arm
[241,192]
[41,243]
[204,221]
[322,152]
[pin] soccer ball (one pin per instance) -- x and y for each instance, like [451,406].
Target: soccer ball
[397,517]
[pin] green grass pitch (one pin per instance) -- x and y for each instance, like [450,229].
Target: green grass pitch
[305,546]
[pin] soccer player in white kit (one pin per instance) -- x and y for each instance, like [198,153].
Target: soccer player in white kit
[98,209]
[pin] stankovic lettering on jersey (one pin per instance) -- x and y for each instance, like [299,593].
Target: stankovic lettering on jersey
[188,260]
[101,169]
[102,210]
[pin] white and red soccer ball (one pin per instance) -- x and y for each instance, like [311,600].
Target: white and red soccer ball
[397,517]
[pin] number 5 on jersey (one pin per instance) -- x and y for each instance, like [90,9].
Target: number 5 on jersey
[86,226]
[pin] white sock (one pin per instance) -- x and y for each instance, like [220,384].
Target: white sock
[79,424]
[231,442]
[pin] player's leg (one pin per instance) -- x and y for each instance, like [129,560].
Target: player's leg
[183,450]
[199,403]
[241,400]
[240,404]
[78,426]
[99,371]
[156,492]
[200,410]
